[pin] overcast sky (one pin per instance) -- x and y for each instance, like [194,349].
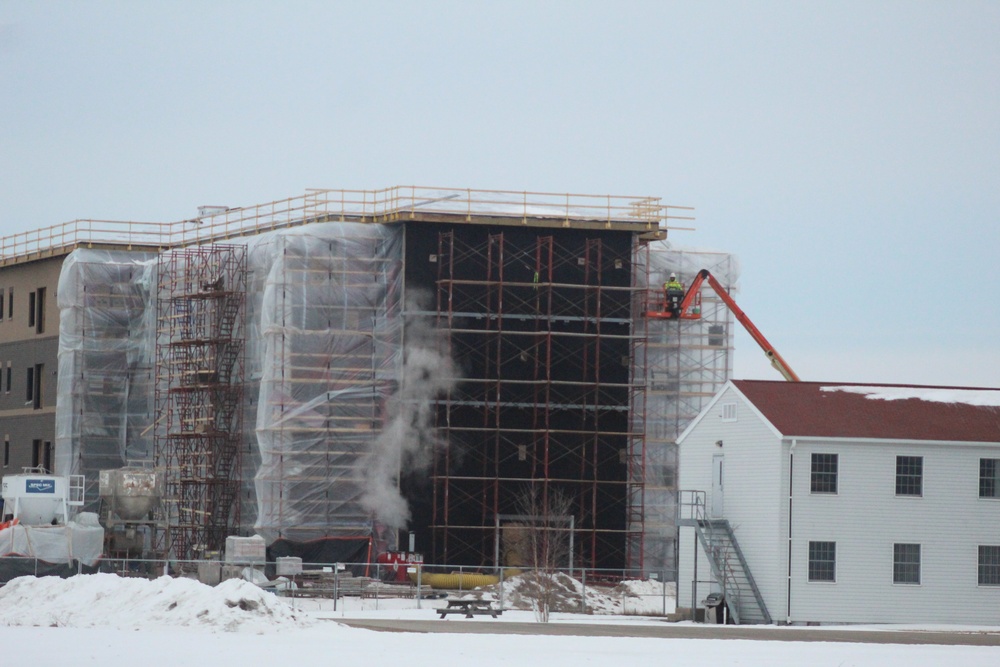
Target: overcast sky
[847,152]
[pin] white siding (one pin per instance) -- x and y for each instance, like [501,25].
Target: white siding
[706,584]
[865,519]
[752,488]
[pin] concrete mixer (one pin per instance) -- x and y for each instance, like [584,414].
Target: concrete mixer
[129,499]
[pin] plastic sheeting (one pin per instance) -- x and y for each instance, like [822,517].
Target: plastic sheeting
[104,407]
[323,351]
[81,540]
[330,351]
[684,363]
[323,358]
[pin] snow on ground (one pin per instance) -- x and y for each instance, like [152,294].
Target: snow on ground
[336,644]
[566,595]
[101,619]
[982,397]
[130,604]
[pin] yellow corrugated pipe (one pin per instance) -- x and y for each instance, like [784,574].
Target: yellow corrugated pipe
[455,580]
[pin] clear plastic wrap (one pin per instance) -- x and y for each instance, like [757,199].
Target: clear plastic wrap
[329,349]
[683,364]
[105,383]
[323,352]
[323,360]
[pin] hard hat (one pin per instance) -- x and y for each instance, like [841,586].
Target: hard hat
[673,276]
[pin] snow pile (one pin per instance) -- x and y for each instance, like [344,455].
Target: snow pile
[980,397]
[106,600]
[566,594]
[646,597]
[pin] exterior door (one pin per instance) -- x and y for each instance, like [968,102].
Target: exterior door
[717,486]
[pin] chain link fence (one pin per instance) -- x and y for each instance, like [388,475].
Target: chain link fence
[591,591]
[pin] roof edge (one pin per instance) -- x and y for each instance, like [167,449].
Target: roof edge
[715,399]
[898,441]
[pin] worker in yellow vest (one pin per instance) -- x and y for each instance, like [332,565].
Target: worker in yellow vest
[673,294]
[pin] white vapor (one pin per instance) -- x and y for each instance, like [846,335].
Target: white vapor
[409,437]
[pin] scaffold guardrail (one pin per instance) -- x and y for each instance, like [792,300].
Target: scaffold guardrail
[392,204]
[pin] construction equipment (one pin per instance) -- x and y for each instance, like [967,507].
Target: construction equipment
[38,498]
[688,307]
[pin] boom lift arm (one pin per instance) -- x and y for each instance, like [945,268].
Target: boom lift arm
[689,310]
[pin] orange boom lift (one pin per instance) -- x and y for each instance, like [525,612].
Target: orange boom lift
[689,308]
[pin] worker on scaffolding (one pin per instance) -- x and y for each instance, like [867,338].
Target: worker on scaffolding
[673,295]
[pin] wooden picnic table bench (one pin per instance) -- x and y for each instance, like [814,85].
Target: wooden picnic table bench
[470,608]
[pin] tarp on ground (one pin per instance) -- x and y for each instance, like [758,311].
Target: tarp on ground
[350,550]
[75,541]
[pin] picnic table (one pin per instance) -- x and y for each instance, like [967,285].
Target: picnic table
[469,608]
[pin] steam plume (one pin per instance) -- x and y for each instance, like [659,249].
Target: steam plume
[409,437]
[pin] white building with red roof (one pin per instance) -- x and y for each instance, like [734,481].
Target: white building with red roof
[812,502]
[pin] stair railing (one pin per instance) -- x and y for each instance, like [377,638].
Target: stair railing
[692,506]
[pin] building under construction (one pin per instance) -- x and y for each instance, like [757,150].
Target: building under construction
[335,370]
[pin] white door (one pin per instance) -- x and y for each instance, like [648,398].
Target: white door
[717,485]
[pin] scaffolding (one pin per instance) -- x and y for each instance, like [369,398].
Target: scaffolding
[105,374]
[681,364]
[387,205]
[540,323]
[200,341]
[326,351]
[269,426]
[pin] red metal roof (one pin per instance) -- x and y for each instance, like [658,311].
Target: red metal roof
[812,409]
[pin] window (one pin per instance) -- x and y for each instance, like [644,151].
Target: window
[1,305]
[39,310]
[40,323]
[989,566]
[729,412]
[36,399]
[31,309]
[41,454]
[909,475]
[36,453]
[10,371]
[989,478]
[822,561]
[33,389]
[824,473]
[906,563]
[10,303]
[6,451]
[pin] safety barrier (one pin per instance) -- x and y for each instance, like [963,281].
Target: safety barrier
[386,205]
[600,591]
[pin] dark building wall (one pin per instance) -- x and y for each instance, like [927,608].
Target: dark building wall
[543,402]
[24,355]
[29,339]
[22,432]
[21,281]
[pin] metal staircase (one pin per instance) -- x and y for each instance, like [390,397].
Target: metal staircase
[729,567]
